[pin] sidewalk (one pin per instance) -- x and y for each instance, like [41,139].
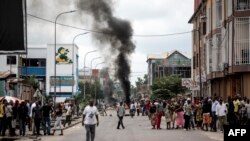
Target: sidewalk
[29,135]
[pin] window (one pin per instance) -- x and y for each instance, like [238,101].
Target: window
[219,13]
[34,62]
[11,60]
[204,27]
[245,56]
[243,4]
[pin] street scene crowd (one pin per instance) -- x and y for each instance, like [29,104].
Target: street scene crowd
[195,113]
[18,116]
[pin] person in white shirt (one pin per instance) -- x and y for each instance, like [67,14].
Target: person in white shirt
[214,117]
[120,114]
[221,112]
[132,109]
[32,122]
[68,115]
[90,120]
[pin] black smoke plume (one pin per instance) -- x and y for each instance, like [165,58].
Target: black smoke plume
[117,33]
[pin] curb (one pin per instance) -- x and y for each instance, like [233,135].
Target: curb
[71,125]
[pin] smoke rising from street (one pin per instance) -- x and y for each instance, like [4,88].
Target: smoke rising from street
[118,34]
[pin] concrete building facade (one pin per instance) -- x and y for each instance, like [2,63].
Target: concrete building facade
[221,46]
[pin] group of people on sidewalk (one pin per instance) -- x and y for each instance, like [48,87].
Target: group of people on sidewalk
[204,113]
[34,116]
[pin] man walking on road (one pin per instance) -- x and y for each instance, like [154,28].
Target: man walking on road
[120,114]
[90,120]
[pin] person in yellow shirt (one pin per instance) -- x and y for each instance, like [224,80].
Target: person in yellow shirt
[236,103]
[1,115]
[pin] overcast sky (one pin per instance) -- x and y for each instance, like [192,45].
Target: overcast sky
[147,17]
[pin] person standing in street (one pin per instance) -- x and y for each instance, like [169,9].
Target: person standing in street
[132,109]
[120,114]
[90,120]
[159,113]
[187,114]
[248,112]
[68,115]
[9,115]
[37,115]
[2,115]
[221,112]
[214,117]
[153,115]
[58,123]
[46,111]
[32,123]
[22,112]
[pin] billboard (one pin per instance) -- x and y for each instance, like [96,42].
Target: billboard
[13,22]
[62,80]
[63,55]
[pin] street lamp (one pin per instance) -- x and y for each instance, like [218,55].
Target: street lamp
[84,70]
[94,60]
[73,55]
[95,78]
[99,64]
[55,52]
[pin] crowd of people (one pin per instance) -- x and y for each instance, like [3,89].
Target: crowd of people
[34,116]
[195,113]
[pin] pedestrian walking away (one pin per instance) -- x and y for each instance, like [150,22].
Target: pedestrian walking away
[58,123]
[120,114]
[22,114]
[47,111]
[37,115]
[90,120]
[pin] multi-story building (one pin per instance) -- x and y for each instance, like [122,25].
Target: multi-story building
[166,64]
[17,67]
[40,63]
[221,46]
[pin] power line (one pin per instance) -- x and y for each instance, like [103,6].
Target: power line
[74,27]
[161,35]
[96,31]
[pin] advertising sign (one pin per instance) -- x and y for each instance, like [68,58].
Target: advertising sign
[63,55]
[62,81]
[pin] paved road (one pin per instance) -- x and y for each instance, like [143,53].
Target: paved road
[137,129]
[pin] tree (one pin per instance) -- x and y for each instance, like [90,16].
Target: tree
[141,81]
[167,87]
[32,81]
[89,91]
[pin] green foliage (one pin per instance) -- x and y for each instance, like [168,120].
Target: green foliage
[141,81]
[32,81]
[90,89]
[167,87]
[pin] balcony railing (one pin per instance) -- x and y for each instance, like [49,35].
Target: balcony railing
[241,42]
[242,4]
[37,71]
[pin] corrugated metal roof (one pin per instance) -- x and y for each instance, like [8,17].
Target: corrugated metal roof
[4,74]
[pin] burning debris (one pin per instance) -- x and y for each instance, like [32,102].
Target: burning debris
[117,34]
